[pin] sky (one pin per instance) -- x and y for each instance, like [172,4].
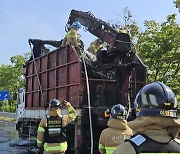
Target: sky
[21,20]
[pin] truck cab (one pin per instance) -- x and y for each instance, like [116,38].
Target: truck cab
[20,103]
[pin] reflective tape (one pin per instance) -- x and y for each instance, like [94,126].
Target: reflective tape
[110,150]
[101,146]
[41,129]
[39,142]
[61,147]
[70,109]
[72,116]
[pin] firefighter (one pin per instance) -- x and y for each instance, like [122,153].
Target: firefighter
[117,131]
[119,28]
[51,133]
[71,37]
[122,30]
[156,125]
[95,46]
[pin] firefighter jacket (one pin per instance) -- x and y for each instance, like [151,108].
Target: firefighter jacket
[114,135]
[71,38]
[94,47]
[158,131]
[50,147]
[89,56]
[122,31]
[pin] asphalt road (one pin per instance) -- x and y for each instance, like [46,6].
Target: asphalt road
[9,141]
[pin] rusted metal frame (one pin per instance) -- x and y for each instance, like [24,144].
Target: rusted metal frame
[102,80]
[56,63]
[55,87]
[53,68]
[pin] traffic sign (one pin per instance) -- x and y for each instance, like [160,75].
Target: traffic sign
[4,95]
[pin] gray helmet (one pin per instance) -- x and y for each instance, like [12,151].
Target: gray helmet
[156,99]
[54,104]
[118,112]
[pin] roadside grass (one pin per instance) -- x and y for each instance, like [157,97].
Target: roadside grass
[7,119]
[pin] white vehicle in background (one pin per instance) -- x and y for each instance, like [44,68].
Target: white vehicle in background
[21,103]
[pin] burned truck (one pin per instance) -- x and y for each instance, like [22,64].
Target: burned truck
[92,87]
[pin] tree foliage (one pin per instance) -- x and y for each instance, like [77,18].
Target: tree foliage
[159,48]
[177,4]
[11,78]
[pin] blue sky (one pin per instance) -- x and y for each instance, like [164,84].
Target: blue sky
[46,19]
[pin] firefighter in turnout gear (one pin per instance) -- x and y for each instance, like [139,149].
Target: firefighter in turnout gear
[117,131]
[51,133]
[156,125]
[120,29]
[116,27]
[71,37]
[95,46]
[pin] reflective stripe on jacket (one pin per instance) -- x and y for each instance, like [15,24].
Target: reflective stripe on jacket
[109,150]
[57,148]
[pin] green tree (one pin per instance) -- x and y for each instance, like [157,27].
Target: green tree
[11,78]
[159,48]
[177,4]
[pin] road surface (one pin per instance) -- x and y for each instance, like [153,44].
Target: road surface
[9,142]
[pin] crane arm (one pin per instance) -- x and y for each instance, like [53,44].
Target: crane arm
[95,26]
